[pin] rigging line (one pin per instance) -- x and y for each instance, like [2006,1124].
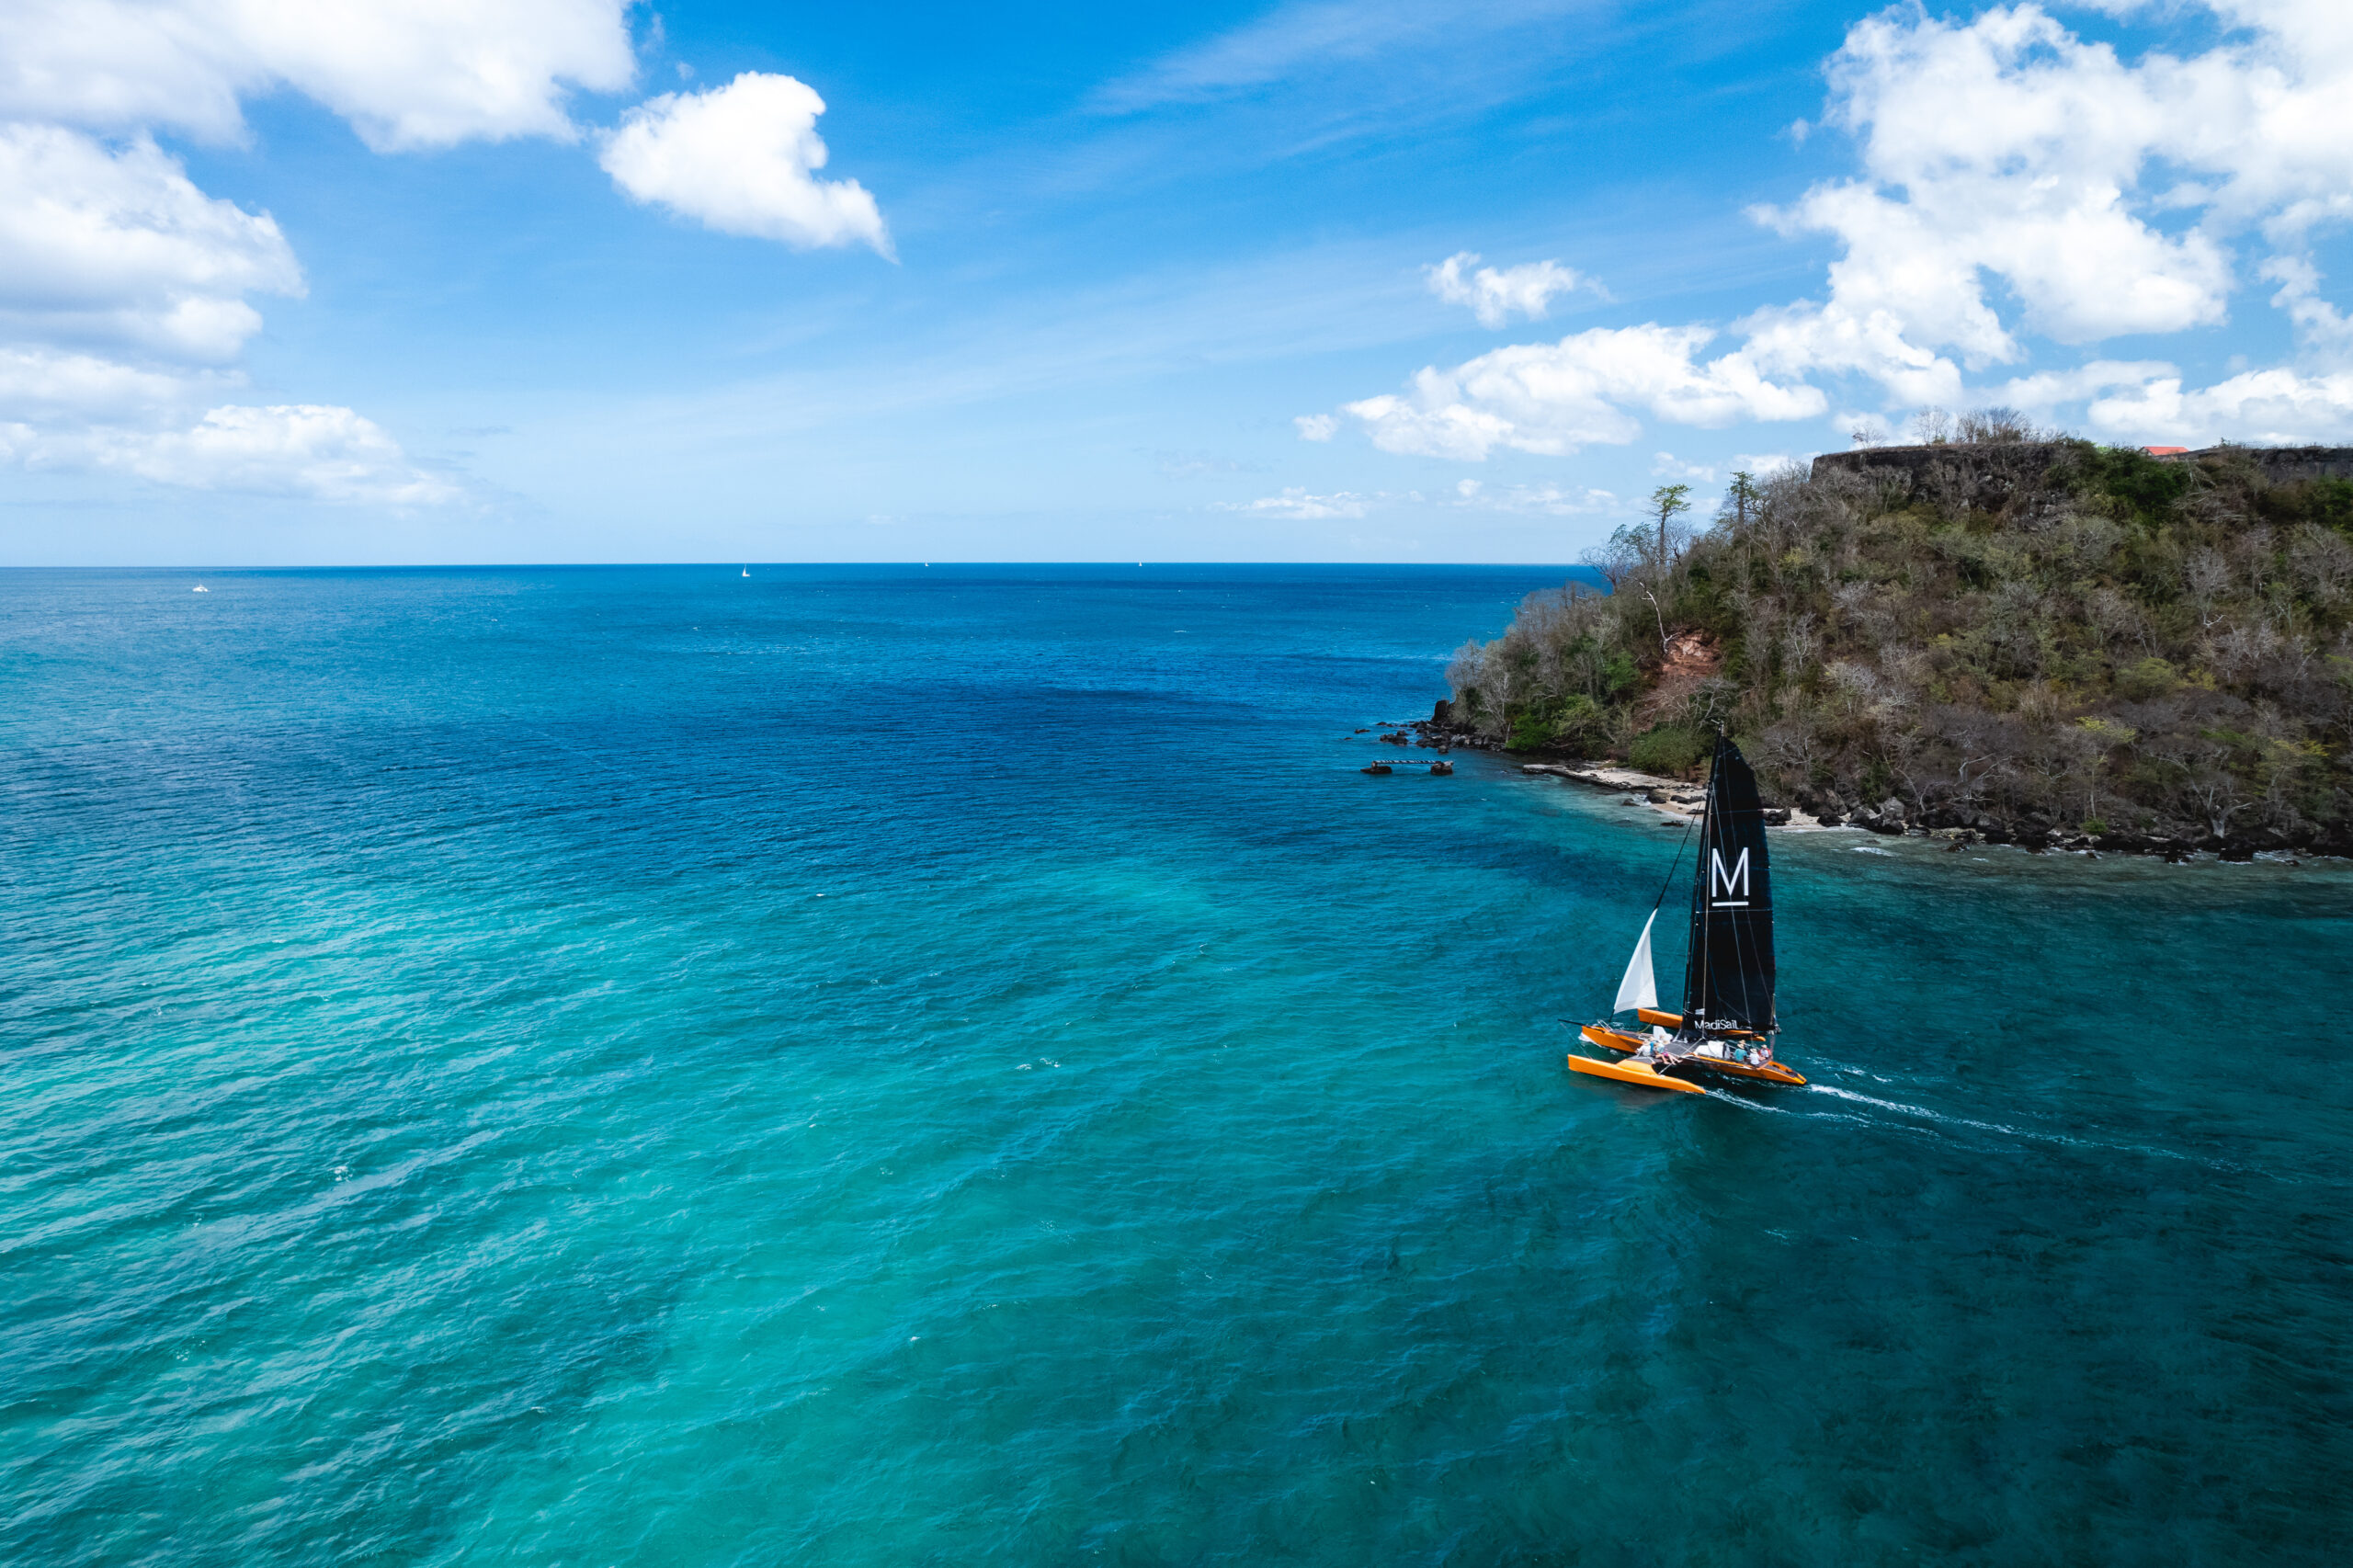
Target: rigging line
[1660,902]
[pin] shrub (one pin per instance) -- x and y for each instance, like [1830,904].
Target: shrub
[2152,677]
[1618,672]
[1575,723]
[1583,726]
[1674,750]
[2145,486]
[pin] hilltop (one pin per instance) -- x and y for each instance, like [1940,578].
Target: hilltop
[2037,640]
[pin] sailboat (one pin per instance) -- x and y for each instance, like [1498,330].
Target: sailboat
[1727,1025]
[747,571]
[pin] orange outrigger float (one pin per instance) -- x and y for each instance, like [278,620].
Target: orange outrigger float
[1727,1025]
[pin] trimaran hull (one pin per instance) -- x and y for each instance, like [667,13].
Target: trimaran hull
[1631,1072]
[1761,1071]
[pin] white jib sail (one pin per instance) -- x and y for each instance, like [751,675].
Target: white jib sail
[1639,989]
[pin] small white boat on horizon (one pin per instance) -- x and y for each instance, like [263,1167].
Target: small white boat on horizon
[203,589]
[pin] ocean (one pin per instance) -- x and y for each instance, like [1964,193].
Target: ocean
[908,1065]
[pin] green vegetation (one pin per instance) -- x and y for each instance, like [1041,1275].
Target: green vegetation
[2004,633]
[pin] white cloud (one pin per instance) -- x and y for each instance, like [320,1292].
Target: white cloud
[2047,390]
[119,250]
[124,289]
[2259,406]
[2017,149]
[1549,500]
[2005,165]
[327,453]
[43,386]
[122,306]
[742,159]
[2320,325]
[1555,398]
[1295,504]
[1298,37]
[307,450]
[1666,465]
[406,73]
[2102,194]
[1493,297]
[1317,426]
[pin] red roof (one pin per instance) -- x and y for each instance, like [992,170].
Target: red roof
[2164,451]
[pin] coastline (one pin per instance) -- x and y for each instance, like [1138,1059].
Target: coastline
[1671,798]
[1890,819]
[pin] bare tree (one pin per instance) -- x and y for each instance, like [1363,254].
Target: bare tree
[2205,785]
[2322,561]
[2207,578]
[2111,615]
[1797,645]
[1464,674]
[1997,426]
[2100,737]
[1621,558]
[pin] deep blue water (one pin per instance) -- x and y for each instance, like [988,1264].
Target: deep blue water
[887,1066]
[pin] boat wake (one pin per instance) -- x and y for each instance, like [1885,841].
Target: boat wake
[2028,1134]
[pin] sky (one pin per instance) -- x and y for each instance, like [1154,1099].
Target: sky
[289,282]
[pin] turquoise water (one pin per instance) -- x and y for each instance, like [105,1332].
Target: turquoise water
[878,1066]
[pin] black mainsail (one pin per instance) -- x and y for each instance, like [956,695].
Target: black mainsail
[1728,978]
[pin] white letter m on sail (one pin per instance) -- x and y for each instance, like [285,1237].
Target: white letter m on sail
[1725,884]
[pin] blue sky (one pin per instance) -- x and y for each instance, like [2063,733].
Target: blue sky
[1097,283]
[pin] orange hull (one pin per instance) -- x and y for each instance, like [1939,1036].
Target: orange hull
[1768,1073]
[1631,1072]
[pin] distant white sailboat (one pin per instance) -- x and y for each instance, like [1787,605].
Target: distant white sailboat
[747,571]
[203,589]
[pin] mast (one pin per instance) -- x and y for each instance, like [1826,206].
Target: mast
[1695,953]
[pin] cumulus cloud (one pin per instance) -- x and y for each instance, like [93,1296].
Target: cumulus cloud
[743,159]
[2260,405]
[2005,146]
[117,249]
[125,292]
[40,386]
[309,451]
[1317,426]
[1555,398]
[1495,296]
[405,74]
[329,453]
[2005,166]
[122,305]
